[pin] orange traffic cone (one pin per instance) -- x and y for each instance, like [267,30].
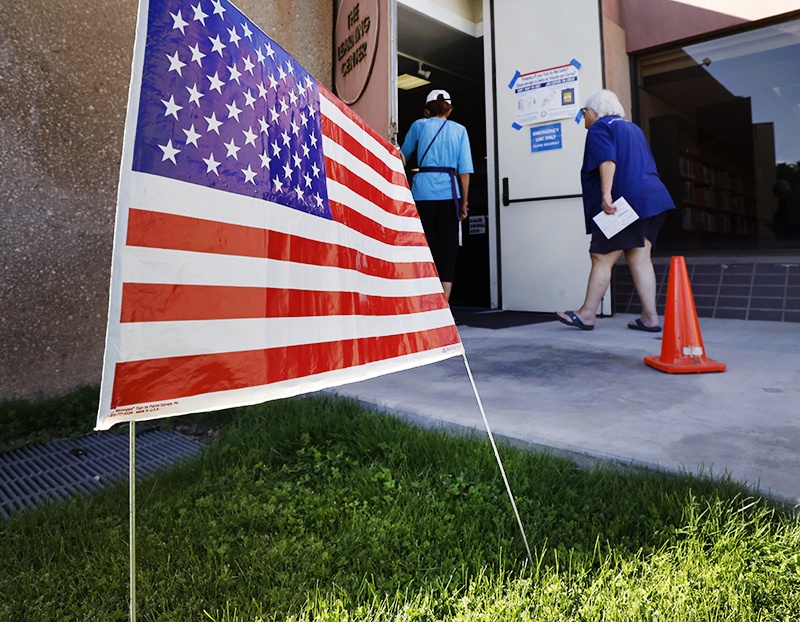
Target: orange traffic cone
[682,350]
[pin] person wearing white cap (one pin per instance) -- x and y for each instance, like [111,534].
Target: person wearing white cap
[441,186]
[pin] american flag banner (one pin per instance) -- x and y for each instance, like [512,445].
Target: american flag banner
[266,243]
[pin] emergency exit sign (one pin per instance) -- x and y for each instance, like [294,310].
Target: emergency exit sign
[546,137]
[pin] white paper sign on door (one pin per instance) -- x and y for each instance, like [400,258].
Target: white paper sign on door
[547,95]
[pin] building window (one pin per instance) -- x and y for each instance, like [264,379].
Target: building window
[723,119]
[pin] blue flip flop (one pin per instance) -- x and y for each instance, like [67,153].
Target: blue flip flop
[576,321]
[637,324]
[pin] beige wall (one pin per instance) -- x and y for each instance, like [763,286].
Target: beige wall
[462,15]
[64,74]
[651,23]
[630,26]
[617,66]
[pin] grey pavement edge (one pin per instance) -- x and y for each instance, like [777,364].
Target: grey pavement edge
[588,395]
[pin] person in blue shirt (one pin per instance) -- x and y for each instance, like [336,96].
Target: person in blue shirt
[617,162]
[444,159]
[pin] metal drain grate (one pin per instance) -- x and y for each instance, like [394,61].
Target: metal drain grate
[60,469]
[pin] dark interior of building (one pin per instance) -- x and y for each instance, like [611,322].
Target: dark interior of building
[451,60]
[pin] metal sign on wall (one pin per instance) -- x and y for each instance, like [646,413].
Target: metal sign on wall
[356,34]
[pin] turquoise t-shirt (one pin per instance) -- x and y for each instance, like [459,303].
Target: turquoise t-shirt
[450,149]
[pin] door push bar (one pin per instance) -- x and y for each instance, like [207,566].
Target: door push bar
[508,201]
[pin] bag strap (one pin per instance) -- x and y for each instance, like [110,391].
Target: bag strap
[431,143]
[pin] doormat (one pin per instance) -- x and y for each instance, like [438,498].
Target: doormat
[495,320]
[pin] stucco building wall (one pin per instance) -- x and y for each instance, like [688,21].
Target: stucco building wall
[631,26]
[651,23]
[64,77]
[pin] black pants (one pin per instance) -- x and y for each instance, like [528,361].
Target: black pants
[440,222]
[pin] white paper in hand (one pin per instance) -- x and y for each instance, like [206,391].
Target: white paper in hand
[612,224]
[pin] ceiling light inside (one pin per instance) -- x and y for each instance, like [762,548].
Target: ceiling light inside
[406,82]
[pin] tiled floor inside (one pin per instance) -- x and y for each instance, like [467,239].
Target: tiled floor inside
[746,290]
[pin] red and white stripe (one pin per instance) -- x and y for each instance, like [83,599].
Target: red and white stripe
[220,300]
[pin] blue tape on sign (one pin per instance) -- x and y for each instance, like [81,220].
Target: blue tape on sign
[579,116]
[575,64]
[516,126]
[514,80]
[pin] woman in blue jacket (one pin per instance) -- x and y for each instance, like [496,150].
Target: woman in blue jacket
[617,162]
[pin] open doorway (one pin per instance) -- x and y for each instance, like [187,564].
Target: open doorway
[450,59]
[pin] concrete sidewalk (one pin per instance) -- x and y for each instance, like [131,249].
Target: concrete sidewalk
[589,396]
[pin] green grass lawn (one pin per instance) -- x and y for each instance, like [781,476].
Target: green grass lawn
[312,509]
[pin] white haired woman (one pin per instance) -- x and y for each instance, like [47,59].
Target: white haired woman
[617,162]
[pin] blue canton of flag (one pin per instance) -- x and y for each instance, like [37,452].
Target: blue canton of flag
[224,106]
